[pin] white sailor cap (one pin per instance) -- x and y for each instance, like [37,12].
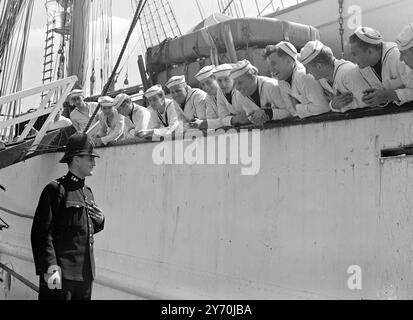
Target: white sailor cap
[76,93]
[310,51]
[106,101]
[405,38]
[368,35]
[175,81]
[120,98]
[152,91]
[205,73]
[241,68]
[288,48]
[223,70]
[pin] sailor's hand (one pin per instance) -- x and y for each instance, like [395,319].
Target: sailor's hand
[259,117]
[342,100]
[240,119]
[53,277]
[377,97]
[196,123]
[148,133]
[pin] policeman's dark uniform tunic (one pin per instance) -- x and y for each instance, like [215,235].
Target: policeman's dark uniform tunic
[62,235]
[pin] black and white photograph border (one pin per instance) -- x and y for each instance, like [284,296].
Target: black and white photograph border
[206,150]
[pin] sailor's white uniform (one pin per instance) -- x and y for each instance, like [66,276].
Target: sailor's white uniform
[307,91]
[81,118]
[395,74]
[346,78]
[112,131]
[270,97]
[212,113]
[227,110]
[195,105]
[168,121]
[140,119]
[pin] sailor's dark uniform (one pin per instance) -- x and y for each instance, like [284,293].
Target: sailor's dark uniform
[62,235]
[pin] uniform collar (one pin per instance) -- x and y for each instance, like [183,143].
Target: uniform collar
[74,180]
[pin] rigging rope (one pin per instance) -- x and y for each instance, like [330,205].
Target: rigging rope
[138,12]
[14,30]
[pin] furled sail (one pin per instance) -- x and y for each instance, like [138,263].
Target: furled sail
[79,44]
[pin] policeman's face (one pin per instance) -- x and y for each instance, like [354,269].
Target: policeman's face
[226,84]
[179,93]
[84,165]
[281,66]
[246,84]
[407,57]
[210,86]
[77,102]
[125,108]
[157,101]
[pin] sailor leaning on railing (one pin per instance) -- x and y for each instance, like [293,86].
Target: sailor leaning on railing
[306,84]
[341,80]
[405,44]
[82,111]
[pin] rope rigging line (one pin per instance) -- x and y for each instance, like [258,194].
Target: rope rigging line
[138,12]
[16,28]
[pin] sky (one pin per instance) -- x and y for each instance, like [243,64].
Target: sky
[186,12]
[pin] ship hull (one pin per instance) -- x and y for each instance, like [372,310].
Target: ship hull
[322,202]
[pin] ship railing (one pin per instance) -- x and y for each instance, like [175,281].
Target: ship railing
[60,87]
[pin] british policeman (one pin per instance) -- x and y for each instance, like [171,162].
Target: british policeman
[64,224]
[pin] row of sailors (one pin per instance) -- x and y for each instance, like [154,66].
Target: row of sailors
[303,85]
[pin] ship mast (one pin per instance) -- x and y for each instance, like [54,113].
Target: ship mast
[15,20]
[79,41]
[70,20]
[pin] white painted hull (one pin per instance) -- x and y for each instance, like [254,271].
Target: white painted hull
[321,202]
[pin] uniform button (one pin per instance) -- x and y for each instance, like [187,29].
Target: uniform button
[90,226]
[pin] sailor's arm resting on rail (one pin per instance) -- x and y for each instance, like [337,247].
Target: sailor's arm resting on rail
[279,109]
[313,91]
[405,94]
[117,130]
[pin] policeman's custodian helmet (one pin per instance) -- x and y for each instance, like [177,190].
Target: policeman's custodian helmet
[79,144]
